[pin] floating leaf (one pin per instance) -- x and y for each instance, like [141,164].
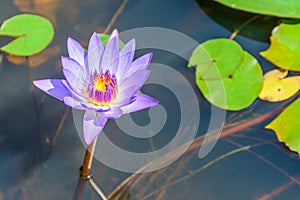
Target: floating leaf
[275,90]
[279,8]
[33,33]
[278,88]
[276,73]
[284,50]
[287,126]
[210,55]
[244,23]
[228,77]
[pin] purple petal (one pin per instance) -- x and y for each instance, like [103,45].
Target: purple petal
[114,33]
[142,101]
[139,64]
[76,51]
[129,87]
[95,51]
[73,102]
[91,106]
[125,59]
[72,65]
[75,80]
[138,78]
[114,113]
[124,97]
[111,53]
[53,87]
[76,94]
[93,124]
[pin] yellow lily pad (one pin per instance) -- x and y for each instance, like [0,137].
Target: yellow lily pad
[278,88]
[276,73]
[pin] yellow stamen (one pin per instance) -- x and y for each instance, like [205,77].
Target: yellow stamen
[100,85]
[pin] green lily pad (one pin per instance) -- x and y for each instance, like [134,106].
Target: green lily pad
[287,126]
[32,34]
[246,24]
[279,8]
[227,76]
[214,53]
[284,50]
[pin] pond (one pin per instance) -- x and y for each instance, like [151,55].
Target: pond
[41,146]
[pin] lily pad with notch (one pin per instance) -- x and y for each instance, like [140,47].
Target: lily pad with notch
[287,126]
[284,50]
[228,76]
[32,34]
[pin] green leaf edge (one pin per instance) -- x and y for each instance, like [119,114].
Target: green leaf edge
[4,48]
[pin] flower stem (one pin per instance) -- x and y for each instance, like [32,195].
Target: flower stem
[85,173]
[87,161]
[97,189]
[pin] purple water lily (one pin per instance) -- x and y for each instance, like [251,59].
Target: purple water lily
[104,82]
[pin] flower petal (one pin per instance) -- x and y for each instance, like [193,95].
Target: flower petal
[74,103]
[72,65]
[138,78]
[93,123]
[75,80]
[125,59]
[53,87]
[76,51]
[114,113]
[124,97]
[142,101]
[111,53]
[74,93]
[129,87]
[139,64]
[95,51]
[91,106]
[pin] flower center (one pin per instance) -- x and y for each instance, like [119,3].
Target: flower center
[102,88]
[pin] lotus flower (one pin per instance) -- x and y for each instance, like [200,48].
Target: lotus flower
[104,82]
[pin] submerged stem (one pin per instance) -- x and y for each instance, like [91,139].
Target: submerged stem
[97,189]
[243,25]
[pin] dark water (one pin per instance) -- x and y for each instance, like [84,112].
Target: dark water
[29,170]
